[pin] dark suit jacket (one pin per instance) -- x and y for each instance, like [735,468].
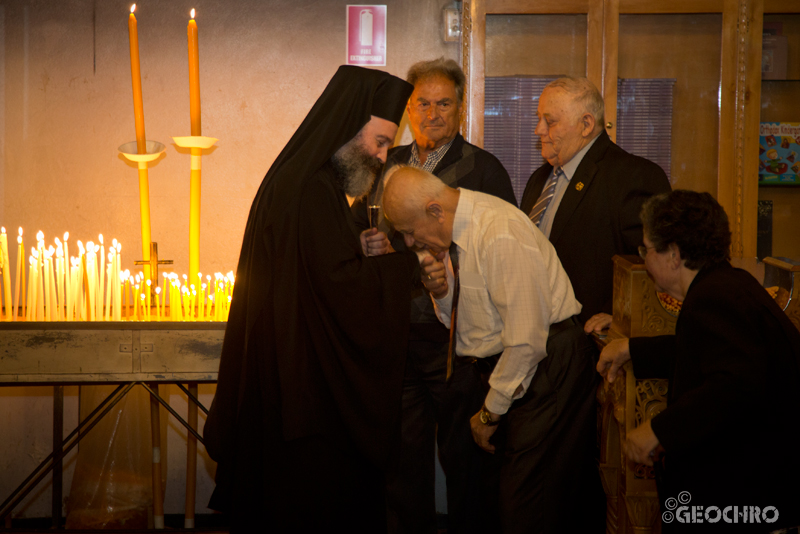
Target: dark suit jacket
[598,217]
[731,426]
[463,165]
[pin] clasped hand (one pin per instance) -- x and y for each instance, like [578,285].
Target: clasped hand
[434,275]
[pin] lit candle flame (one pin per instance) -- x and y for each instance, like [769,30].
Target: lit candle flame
[3,229]
[101,238]
[19,239]
[39,235]
[20,230]
[192,12]
[133,8]
[158,290]
[66,234]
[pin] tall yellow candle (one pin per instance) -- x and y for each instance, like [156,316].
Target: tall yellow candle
[52,302]
[136,304]
[6,276]
[59,280]
[68,268]
[101,285]
[136,79]
[141,140]
[22,284]
[194,112]
[194,76]
[109,287]
[29,314]
[39,287]
[148,285]
[20,279]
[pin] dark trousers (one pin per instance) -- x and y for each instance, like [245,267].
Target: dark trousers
[427,401]
[549,481]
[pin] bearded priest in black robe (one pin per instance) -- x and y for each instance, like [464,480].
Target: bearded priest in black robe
[308,399]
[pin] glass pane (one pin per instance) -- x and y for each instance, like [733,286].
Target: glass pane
[509,122]
[538,45]
[686,48]
[779,104]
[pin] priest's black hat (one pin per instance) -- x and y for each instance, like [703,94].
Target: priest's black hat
[352,96]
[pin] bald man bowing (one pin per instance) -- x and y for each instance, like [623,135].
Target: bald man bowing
[515,318]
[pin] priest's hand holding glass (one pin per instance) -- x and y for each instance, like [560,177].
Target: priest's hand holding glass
[375,243]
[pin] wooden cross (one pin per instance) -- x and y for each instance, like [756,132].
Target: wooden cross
[153,263]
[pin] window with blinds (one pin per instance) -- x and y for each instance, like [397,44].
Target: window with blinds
[644,122]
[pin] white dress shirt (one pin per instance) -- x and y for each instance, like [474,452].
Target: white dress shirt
[513,288]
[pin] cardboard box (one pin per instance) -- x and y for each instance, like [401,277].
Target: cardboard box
[779,153]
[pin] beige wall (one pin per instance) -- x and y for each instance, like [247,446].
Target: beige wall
[66,105]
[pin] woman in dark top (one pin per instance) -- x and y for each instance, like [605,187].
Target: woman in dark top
[731,429]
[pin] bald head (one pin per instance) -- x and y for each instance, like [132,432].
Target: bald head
[421,206]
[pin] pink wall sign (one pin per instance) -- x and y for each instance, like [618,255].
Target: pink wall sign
[366,35]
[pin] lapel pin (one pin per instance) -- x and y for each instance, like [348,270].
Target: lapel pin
[579,186]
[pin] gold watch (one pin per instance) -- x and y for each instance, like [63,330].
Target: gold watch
[486,417]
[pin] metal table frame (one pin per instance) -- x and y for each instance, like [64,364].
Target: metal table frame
[62,353]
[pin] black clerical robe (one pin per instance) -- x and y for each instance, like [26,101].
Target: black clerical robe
[323,366]
[308,392]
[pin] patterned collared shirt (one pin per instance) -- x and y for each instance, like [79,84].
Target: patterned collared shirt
[433,158]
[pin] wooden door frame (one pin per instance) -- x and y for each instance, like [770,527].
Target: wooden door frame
[740,81]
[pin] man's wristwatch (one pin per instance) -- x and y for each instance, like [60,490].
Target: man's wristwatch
[486,417]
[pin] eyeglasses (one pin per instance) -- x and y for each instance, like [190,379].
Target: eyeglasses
[643,251]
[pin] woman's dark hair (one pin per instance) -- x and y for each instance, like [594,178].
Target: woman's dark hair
[694,221]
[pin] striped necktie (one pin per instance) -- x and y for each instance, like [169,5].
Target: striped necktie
[547,195]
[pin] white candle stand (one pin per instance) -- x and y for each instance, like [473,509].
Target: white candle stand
[197,143]
[153,150]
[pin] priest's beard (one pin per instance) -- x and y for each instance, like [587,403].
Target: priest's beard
[355,168]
